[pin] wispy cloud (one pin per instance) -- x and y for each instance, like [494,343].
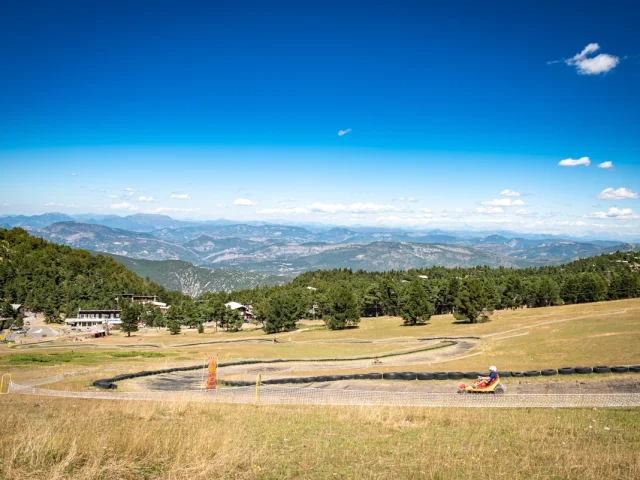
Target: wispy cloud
[454,212]
[172,210]
[358,207]
[284,211]
[570,162]
[617,194]
[509,193]
[343,132]
[593,65]
[525,213]
[113,196]
[130,191]
[503,202]
[181,196]
[220,205]
[145,199]
[244,202]
[406,199]
[122,206]
[51,204]
[73,174]
[490,210]
[613,212]
[607,165]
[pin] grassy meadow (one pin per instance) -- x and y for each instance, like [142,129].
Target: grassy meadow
[84,439]
[68,438]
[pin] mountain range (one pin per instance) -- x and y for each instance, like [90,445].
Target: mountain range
[187,278]
[221,255]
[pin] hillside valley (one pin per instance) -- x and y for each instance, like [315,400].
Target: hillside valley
[195,257]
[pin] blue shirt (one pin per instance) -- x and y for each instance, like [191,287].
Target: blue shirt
[493,377]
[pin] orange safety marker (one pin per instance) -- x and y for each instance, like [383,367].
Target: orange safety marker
[213,372]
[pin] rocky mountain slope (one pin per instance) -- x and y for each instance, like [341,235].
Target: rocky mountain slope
[289,250]
[192,280]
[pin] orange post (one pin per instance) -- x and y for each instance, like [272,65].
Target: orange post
[213,372]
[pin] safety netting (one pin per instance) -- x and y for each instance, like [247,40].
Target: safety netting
[278,395]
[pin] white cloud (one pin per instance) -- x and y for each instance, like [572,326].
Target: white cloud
[113,196]
[284,211]
[617,194]
[503,202]
[343,132]
[509,193]
[130,191]
[358,207]
[145,199]
[122,206]
[244,202]
[613,212]
[606,165]
[406,199]
[525,213]
[220,205]
[51,204]
[181,196]
[407,221]
[601,63]
[73,174]
[570,162]
[490,210]
[170,210]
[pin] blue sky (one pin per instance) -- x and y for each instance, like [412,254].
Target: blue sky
[452,116]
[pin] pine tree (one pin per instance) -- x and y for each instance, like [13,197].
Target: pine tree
[416,307]
[130,316]
[234,321]
[173,320]
[344,309]
[282,313]
[473,300]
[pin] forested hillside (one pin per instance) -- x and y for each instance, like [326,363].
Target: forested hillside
[47,277]
[466,292]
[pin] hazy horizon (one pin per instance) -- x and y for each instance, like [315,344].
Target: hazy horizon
[505,116]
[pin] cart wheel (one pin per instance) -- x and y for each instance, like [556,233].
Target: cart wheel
[499,390]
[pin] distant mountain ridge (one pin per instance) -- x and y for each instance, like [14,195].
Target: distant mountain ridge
[270,249]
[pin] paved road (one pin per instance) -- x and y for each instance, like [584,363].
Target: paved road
[41,331]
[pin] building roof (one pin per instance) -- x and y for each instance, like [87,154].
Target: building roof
[234,305]
[16,306]
[90,310]
[111,321]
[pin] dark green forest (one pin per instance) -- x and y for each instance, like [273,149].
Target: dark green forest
[468,293]
[55,279]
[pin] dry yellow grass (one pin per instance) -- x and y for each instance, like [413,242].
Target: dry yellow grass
[605,333]
[82,439]
[90,439]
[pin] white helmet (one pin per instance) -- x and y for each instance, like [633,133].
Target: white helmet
[492,369]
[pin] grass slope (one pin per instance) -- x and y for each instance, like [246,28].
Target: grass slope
[154,440]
